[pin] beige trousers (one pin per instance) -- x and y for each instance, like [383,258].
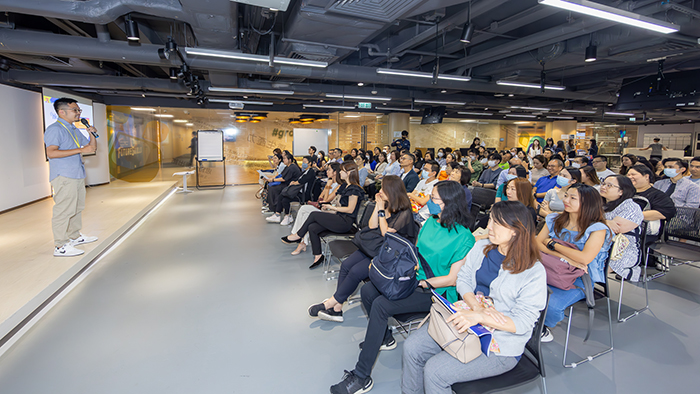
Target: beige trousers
[69,202]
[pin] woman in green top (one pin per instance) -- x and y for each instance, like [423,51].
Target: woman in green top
[444,241]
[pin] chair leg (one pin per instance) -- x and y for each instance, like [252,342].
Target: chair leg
[588,358]
[656,275]
[544,385]
[638,311]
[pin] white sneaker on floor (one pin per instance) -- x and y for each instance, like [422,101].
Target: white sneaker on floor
[67,250]
[83,239]
[273,219]
[546,335]
[287,220]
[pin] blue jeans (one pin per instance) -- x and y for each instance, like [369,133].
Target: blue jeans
[560,299]
[428,369]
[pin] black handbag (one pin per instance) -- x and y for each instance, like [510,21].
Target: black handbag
[369,241]
[292,191]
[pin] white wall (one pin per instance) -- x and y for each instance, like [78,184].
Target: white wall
[24,171]
[97,166]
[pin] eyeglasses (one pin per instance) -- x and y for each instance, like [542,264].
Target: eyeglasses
[78,110]
[607,185]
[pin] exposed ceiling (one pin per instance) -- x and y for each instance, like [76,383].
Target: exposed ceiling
[82,45]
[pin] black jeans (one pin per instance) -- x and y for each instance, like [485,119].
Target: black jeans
[283,205]
[379,308]
[353,271]
[318,222]
[274,194]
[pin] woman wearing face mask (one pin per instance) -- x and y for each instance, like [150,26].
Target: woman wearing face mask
[305,179]
[554,199]
[329,192]
[590,177]
[441,157]
[474,165]
[444,241]
[513,173]
[538,170]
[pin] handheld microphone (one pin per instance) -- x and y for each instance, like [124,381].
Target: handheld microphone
[85,122]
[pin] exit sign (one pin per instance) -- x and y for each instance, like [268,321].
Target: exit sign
[364,105]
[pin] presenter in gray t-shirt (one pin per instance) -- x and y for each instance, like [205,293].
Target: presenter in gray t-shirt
[656,149]
[64,146]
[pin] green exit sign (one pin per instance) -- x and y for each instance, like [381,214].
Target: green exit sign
[364,105]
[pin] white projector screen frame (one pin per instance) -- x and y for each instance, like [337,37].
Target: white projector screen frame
[304,138]
[210,145]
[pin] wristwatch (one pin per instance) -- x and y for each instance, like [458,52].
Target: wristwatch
[550,245]
[381,213]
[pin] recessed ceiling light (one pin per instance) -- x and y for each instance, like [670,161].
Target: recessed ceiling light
[531,108]
[353,97]
[180,121]
[443,91]
[189,124]
[360,84]
[511,95]
[439,102]
[143,109]
[505,82]
[163,116]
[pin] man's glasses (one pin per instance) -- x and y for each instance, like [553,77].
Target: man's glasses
[77,110]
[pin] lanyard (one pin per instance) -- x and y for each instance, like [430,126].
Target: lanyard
[71,134]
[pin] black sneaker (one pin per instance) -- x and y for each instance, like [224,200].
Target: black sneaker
[331,315]
[352,384]
[386,345]
[315,308]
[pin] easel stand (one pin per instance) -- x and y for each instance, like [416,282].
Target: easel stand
[214,186]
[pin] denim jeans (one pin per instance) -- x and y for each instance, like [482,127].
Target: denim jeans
[560,299]
[429,369]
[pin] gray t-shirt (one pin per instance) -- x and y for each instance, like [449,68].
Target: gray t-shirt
[65,136]
[656,149]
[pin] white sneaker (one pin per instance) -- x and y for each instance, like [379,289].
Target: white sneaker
[83,239]
[287,220]
[546,335]
[67,250]
[273,219]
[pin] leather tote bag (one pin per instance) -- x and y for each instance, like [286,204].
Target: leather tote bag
[560,273]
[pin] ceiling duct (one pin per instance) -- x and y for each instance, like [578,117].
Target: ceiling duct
[382,10]
[313,52]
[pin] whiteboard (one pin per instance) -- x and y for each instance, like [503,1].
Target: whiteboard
[304,138]
[210,145]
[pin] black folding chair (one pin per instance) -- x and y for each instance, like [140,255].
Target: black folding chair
[679,244]
[528,369]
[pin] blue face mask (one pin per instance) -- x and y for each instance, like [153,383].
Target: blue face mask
[433,208]
[561,181]
[670,172]
[304,166]
[510,177]
[425,174]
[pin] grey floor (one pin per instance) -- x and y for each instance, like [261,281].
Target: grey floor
[204,298]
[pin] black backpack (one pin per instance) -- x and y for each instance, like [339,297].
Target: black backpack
[393,270]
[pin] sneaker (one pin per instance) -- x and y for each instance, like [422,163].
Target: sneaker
[83,239]
[315,308]
[546,335]
[67,250]
[331,315]
[386,345]
[661,267]
[274,218]
[287,220]
[352,384]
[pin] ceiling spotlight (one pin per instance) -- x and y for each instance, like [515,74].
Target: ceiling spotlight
[467,33]
[443,91]
[591,53]
[173,73]
[131,28]
[360,84]
[168,50]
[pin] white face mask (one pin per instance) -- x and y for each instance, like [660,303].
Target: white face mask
[483,161]
[440,154]
[575,165]
[492,163]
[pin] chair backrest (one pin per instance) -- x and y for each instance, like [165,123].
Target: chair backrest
[685,225]
[534,345]
[484,197]
[364,214]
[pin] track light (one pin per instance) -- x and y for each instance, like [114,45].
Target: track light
[174,72]
[170,48]
[591,53]
[131,28]
[467,33]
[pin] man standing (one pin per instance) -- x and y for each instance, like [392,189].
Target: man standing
[656,149]
[403,143]
[193,147]
[600,163]
[681,190]
[695,170]
[408,176]
[64,145]
[546,183]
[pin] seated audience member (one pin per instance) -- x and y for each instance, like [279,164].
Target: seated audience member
[600,163]
[657,167]
[441,157]
[318,158]
[348,158]
[623,216]
[520,189]
[447,170]
[579,162]
[548,154]
[554,199]
[362,170]
[444,241]
[489,177]
[506,268]
[661,207]
[513,172]
[381,164]
[684,192]
[546,183]
[583,224]
[474,165]
[643,160]
[277,165]
[538,170]
[504,174]
[421,194]
[408,176]
[353,153]
[333,186]
[429,156]
[304,180]
[695,170]
[505,160]
[392,213]
[337,219]
[461,174]
[392,168]
[628,161]
[290,173]
[524,160]
[590,177]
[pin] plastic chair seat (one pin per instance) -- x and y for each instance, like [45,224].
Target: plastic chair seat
[524,372]
[677,250]
[342,249]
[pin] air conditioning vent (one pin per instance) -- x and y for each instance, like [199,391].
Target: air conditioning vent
[378,10]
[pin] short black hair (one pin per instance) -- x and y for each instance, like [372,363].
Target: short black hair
[404,133]
[520,171]
[410,156]
[495,156]
[310,159]
[584,159]
[347,158]
[548,149]
[62,103]
[657,139]
[681,163]
[313,148]
[605,159]
[433,165]
[540,158]
[696,158]
[555,158]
